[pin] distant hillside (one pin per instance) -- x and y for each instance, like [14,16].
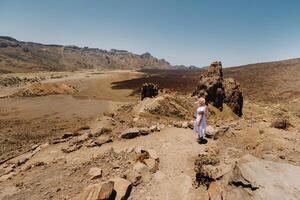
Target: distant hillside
[269,81]
[18,56]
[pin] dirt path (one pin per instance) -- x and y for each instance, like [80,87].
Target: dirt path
[176,149]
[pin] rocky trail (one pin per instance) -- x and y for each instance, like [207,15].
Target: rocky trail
[176,149]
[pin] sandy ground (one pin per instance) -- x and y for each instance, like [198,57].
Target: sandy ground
[35,119]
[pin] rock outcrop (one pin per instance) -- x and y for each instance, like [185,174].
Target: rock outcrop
[265,179]
[149,90]
[217,90]
[233,96]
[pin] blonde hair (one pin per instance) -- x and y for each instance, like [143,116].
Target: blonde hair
[201,101]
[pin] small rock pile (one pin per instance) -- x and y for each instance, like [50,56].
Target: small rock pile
[149,90]
[171,106]
[43,89]
[217,90]
[119,186]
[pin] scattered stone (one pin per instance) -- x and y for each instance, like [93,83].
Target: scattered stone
[152,164]
[177,124]
[122,187]
[86,127]
[130,133]
[22,161]
[153,154]
[185,125]
[282,157]
[102,131]
[98,191]
[191,124]
[134,177]
[158,128]
[106,191]
[130,149]
[215,191]
[281,123]
[69,134]
[57,141]
[95,173]
[34,147]
[140,167]
[139,149]
[215,172]
[162,126]
[80,139]
[210,131]
[7,176]
[71,148]
[135,119]
[145,131]
[99,141]
[153,128]
[108,114]
[216,133]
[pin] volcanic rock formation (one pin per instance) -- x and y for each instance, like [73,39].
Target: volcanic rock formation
[149,90]
[217,90]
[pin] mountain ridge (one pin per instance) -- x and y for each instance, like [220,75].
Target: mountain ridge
[20,56]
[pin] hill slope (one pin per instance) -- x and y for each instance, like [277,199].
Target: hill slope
[18,56]
[269,81]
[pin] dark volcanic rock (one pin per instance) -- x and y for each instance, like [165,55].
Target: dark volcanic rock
[217,90]
[149,90]
[233,96]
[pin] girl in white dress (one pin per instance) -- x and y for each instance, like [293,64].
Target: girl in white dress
[200,123]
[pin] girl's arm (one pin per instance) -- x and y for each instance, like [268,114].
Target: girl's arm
[201,117]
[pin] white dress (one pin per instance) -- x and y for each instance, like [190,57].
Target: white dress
[201,130]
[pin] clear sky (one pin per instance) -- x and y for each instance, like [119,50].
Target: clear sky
[189,32]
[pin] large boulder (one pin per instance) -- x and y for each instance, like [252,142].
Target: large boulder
[261,179]
[122,187]
[130,133]
[98,191]
[217,90]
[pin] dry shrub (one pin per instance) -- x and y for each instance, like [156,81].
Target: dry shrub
[281,123]
[105,130]
[202,160]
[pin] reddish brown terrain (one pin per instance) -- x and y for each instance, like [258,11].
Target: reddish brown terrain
[86,133]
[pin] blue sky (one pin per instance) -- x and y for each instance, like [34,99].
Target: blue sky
[189,32]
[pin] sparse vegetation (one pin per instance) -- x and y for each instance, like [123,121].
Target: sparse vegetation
[281,123]
[202,160]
